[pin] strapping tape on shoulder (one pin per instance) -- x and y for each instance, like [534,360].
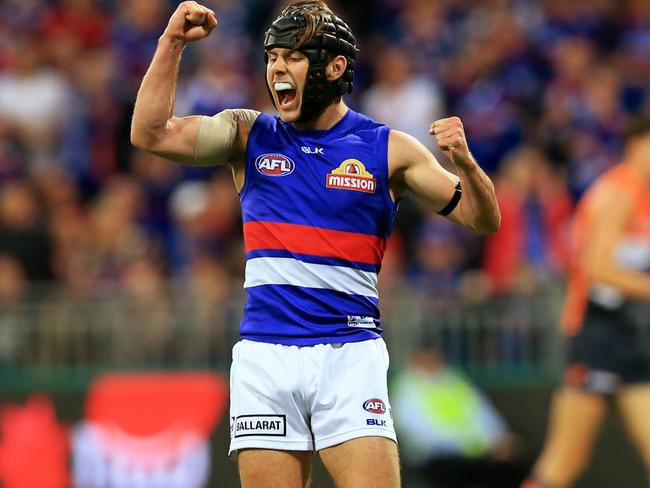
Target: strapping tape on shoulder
[453,202]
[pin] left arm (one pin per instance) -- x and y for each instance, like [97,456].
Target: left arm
[413,167]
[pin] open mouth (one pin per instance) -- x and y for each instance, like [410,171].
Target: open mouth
[286,93]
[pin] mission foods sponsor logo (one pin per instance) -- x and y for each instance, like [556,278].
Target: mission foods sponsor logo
[274,164]
[374,405]
[352,175]
[266,425]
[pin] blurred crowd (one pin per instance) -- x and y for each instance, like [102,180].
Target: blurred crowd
[544,88]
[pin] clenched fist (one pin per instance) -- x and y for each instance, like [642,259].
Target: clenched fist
[450,137]
[190,22]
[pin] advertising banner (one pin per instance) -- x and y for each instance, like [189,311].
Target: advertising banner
[148,430]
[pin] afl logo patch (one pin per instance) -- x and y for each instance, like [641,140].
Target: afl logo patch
[274,164]
[374,405]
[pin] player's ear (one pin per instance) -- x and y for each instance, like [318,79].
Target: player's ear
[336,67]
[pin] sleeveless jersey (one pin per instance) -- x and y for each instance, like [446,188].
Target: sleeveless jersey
[316,213]
[633,251]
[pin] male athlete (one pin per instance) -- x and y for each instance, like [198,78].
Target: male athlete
[319,186]
[609,280]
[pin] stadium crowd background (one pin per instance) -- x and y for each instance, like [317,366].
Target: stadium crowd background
[544,88]
[97,236]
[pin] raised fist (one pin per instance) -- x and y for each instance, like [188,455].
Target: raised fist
[450,137]
[191,22]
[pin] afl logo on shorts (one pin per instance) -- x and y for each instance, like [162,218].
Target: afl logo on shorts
[274,164]
[374,405]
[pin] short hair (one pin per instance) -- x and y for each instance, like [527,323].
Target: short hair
[638,126]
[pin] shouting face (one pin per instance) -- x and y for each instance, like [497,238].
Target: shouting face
[286,72]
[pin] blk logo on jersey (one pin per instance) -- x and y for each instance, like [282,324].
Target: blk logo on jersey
[374,405]
[312,150]
[352,175]
[274,164]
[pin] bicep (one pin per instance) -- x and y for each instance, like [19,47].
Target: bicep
[205,141]
[418,171]
[177,141]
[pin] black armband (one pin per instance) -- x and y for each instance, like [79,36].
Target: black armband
[453,202]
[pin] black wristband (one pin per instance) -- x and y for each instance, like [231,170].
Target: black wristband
[453,202]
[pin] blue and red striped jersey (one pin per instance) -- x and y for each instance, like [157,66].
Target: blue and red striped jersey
[317,212]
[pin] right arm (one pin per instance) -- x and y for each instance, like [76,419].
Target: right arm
[194,140]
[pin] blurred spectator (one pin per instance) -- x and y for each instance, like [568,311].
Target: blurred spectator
[450,434]
[492,93]
[147,304]
[13,294]
[397,85]
[11,167]
[220,81]
[591,19]
[220,69]
[158,180]
[13,283]
[133,35]
[424,28]
[585,125]
[112,239]
[89,149]
[23,233]
[530,248]
[33,102]
[21,17]
[83,20]
[206,291]
[440,258]
[72,28]
[207,220]
[634,57]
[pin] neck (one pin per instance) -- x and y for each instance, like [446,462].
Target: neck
[327,119]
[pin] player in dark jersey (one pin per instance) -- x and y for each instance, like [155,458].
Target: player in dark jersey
[319,186]
[609,278]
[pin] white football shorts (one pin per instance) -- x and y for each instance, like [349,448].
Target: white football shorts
[305,398]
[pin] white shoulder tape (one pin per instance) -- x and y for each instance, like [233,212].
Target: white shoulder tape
[217,135]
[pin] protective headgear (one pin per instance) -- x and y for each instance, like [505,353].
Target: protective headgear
[334,37]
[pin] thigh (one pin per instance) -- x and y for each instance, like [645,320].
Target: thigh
[574,422]
[350,398]
[263,468]
[575,418]
[634,406]
[363,463]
